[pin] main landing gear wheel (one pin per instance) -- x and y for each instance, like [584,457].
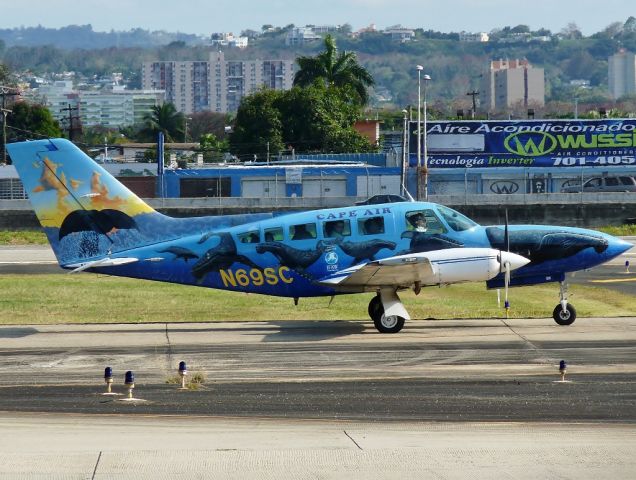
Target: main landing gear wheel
[375,307]
[564,317]
[388,324]
[382,322]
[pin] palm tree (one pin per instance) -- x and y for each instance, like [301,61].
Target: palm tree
[165,118]
[335,69]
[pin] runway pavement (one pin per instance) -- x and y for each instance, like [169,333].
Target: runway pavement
[441,399]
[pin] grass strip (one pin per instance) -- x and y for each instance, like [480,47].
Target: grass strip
[89,298]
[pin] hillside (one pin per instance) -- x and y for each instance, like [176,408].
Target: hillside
[455,65]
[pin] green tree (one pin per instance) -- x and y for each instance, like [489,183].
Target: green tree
[334,69]
[258,125]
[212,148]
[27,122]
[98,135]
[164,118]
[4,73]
[320,119]
[317,118]
[201,123]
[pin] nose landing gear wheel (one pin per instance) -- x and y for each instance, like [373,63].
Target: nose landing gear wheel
[564,317]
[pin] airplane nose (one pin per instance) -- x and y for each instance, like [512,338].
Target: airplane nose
[515,261]
[617,246]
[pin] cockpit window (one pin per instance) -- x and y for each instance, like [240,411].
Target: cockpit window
[424,221]
[456,220]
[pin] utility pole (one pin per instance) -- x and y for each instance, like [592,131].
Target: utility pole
[70,109]
[473,93]
[5,92]
[4,132]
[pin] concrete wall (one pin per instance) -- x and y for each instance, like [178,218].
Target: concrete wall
[598,210]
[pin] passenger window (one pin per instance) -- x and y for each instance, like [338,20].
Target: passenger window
[249,237]
[305,231]
[371,226]
[273,234]
[594,182]
[336,229]
[611,182]
[627,180]
[424,221]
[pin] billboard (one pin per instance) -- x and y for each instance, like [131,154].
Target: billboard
[526,143]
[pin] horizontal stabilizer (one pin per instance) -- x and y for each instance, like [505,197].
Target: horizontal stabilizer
[104,262]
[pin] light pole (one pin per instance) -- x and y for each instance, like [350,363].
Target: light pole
[419,111]
[419,130]
[185,129]
[404,155]
[425,171]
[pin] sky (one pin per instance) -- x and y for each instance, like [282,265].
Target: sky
[207,16]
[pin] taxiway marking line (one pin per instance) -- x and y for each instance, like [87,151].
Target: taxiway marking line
[615,280]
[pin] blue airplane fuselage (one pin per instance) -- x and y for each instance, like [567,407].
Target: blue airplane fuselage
[287,255]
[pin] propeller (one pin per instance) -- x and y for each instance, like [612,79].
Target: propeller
[504,266]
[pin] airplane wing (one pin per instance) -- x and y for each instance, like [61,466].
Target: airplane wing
[451,265]
[399,271]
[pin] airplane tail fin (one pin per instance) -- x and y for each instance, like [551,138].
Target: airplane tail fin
[85,212]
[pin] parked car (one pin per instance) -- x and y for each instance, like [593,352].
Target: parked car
[377,199]
[602,184]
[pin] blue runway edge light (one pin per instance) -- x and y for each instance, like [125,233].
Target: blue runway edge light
[182,366]
[108,372]
[130,377]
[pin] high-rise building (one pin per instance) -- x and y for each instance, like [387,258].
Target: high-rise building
[509,83]
[231,80]
[217,85]
[186,83]
[622,73]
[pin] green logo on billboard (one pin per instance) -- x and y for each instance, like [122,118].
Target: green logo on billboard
[530,144]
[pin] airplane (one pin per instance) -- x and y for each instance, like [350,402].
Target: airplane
[95,224]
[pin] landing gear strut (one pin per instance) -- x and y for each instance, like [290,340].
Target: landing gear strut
[564,313]
[386,323]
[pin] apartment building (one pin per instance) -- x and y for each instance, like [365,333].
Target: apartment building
[509,83]
[622,74]
[187,84]
[217,85]
[118,107]
[112,108]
